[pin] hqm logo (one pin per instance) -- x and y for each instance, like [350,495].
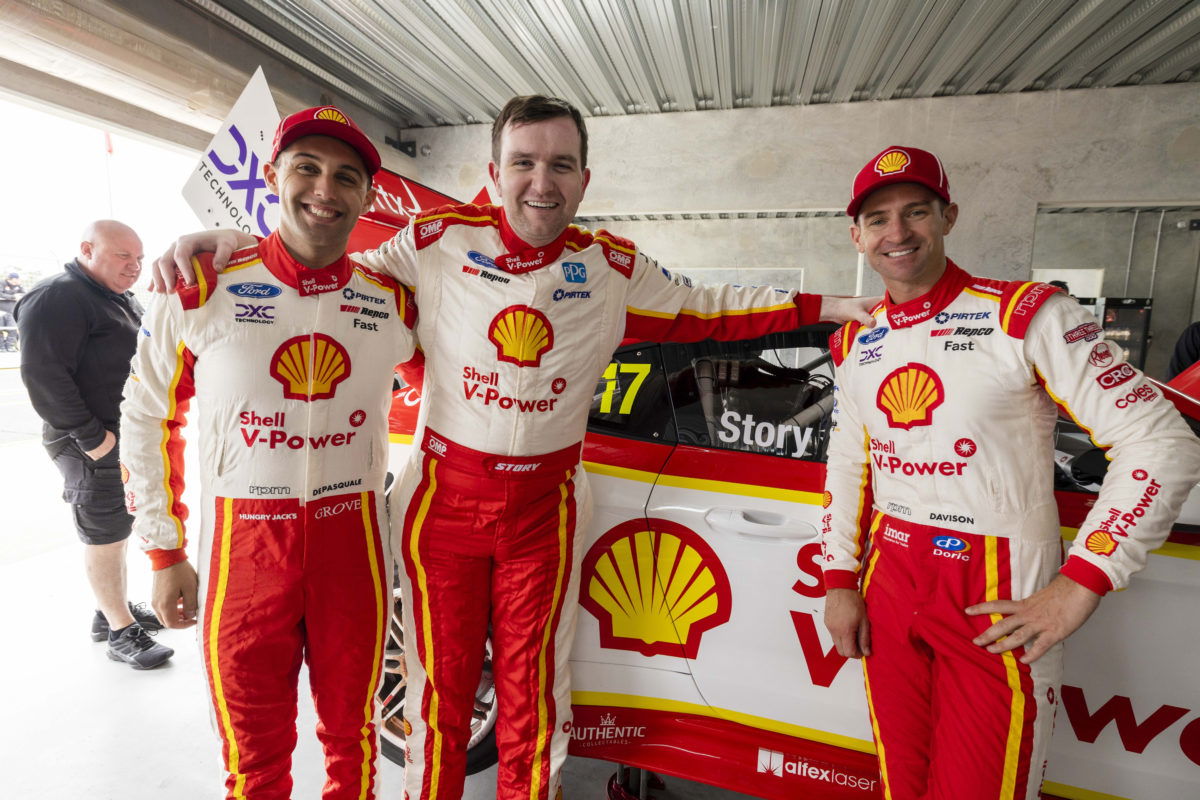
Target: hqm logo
[310,367]
[655,587]
[891,162]
[908,396]
[522,335]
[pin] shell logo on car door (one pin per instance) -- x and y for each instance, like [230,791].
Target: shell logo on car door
[655,586]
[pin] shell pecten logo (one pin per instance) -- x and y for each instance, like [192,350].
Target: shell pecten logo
[331,113]
[891,162]
[1101,543]
[522,335]
[310,367]
[655,587]
[909,395]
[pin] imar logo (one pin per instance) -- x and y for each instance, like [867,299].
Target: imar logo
[574,272]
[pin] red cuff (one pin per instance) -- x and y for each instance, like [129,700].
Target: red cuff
[161,559]
[841,579]
[809,306]
[1087,575]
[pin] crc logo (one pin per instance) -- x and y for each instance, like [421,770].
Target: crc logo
[574,272]
[253,313]
[874,335]
[655,587]
[522,335]
[262,290]
[1101,355]
[908,396]
[310,367]
[1116,376]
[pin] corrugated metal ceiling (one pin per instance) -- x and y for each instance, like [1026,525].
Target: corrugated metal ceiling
[450,62]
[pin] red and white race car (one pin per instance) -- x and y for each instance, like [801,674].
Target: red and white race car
[700,649]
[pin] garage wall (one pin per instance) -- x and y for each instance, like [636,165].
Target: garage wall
[1005,154]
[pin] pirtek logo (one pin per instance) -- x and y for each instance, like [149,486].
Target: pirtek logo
[1115,376]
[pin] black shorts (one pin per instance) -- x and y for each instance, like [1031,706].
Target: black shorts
[95,492]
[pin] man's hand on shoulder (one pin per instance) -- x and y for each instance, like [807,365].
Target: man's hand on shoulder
[1038,622]
[849,309]
[176,262]
[174,596]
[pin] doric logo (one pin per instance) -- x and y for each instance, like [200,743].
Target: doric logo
[1101,543]
[522,335]
[310,367]
[655,587]
[909,395]
[891,162]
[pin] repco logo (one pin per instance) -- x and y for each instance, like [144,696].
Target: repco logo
[338,508]
[1115,376]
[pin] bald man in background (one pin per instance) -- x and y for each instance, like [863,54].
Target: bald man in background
[78,332]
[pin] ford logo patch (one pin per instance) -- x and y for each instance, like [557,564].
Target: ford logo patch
[873,335]
[481,259]
[254,290]
[951,543]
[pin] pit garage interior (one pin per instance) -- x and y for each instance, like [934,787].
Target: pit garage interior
[723,138]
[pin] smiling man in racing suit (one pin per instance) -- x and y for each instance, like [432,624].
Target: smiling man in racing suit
[941,512]
[290,354]
[521,314]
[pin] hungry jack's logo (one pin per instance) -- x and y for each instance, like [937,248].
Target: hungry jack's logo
[909,395]
[310,367]
[522,335]
[891,162]
[655,588]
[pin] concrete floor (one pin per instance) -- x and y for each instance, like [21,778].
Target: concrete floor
[76,725]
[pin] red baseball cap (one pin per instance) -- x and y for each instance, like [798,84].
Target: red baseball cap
[325,121]
[899,165]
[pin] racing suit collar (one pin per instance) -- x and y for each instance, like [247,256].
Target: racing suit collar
[523,257]
[304,280]
[914,312]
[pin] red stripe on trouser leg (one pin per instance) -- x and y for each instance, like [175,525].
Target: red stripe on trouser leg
[347,605]
[252,658]
[950,722]
[447,551]
[534,606]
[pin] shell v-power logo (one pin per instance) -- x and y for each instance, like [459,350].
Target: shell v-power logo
[310,367]
[522,335]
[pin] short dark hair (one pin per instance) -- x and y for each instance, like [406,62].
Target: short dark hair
[536,108]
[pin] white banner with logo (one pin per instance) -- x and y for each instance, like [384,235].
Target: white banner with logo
[227,188]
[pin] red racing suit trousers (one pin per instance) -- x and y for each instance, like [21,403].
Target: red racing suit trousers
[284,581]
[490,539]
[961,722]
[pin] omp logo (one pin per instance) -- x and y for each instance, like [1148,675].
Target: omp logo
[254,290]
[655,587]
[891,162]
[427,229]
[436,446]
[620,259]
[1115,376]
[574,272]
[310,367]
[908,396]
[522,335]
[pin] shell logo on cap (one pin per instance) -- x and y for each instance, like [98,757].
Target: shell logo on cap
[522,335]
[909,395]
[655,587]
[891,162]
[310,368]
[1101,543]
[331,113]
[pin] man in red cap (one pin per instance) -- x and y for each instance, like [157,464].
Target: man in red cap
[943,561]
[290,354]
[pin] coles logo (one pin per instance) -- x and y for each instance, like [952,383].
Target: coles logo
[1115,376]
[655,587]
[1101,355]
[908,396]
[310,367]
[254,290]
[1144,392]
[522,335]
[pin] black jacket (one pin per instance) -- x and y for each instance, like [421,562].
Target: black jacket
[77,339]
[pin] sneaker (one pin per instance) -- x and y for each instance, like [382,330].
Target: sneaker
[135,647]
[141,615]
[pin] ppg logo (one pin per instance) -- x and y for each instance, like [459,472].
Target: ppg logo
[952,544]
[574,272]
[254,290]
